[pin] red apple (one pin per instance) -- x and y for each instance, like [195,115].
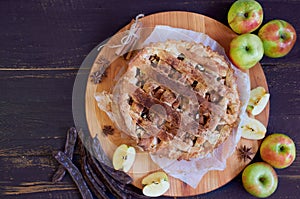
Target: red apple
[245,16]
[260,179]
[278,37]
[278,150]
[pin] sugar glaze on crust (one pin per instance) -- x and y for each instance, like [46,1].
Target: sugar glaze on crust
[177,99]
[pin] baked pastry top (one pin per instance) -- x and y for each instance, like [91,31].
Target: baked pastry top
[177,99]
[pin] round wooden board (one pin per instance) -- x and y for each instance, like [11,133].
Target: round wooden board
[143,165]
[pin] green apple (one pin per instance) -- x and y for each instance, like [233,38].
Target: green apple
[245,16]
[260,179]
[278,37]
[278,150]
[246,50]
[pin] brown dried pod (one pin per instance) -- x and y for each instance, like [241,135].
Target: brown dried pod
[69,150]
[75,174]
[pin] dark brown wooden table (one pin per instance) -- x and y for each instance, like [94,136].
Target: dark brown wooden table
[42,45]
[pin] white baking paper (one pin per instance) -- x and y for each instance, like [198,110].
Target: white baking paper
[191,172]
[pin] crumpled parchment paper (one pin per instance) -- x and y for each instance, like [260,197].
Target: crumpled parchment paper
[191,172]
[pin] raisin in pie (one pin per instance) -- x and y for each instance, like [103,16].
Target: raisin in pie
[177,99]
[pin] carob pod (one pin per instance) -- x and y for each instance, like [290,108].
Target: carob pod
[86,168]
[116,175]
[120,179]
[134,193]
[100,160]
[108,175]
[98,169]
[69,150]
[119,182]
[66,162]
[112,182]
[103,176]
[96,185]
[95,177]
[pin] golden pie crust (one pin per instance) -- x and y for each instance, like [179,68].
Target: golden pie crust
[177,99]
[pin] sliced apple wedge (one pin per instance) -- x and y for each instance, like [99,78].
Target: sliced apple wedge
[123,157]
[155,190]
[253,129]
[155,184]
[258,100]
[261,104]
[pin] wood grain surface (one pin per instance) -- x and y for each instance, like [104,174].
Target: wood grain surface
[43,44]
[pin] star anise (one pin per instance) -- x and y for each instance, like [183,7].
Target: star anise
[97,76]
[102,61]
[245,153]
[108,130]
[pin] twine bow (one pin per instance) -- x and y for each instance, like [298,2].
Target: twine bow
[129,39]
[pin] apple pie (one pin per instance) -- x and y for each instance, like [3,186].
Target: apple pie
[177,99]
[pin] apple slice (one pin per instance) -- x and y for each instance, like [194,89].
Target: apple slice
[253,129]
[123,157]
[155,184]
[258,100]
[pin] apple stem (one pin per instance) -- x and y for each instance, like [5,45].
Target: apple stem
[281,148]
[282,36]
[262,179]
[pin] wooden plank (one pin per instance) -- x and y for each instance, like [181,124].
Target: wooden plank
[46,165]
[42,139]
[66,194]
[53,34]
[30,132]
[31,174]
[39,186]
[28,111]
[60,33]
